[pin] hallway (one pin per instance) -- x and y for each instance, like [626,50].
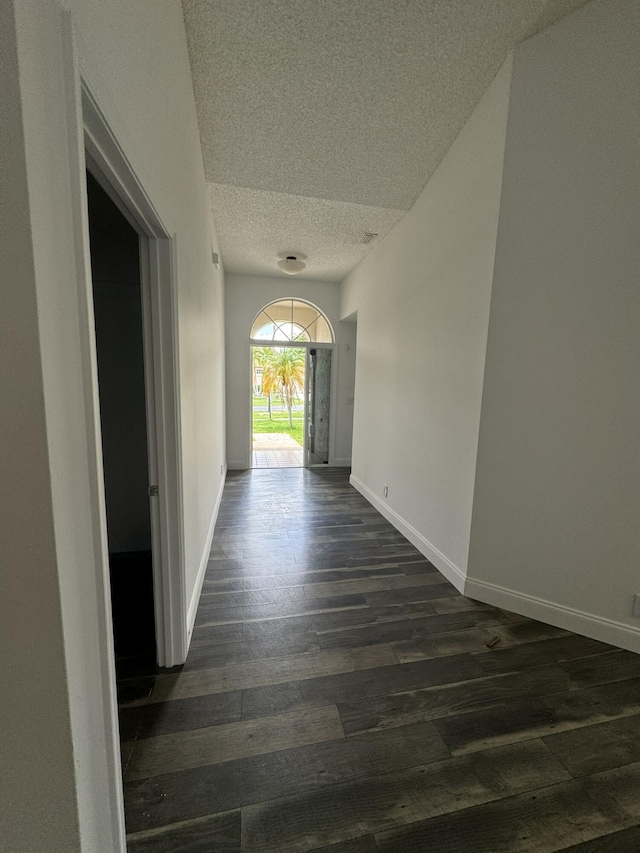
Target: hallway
[340,696]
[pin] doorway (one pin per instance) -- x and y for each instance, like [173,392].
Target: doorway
[122,391]
[277,406]
[293,365]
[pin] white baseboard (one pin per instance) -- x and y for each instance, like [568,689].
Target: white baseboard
[577,621]
[195,598]
[342,462]
[439,560]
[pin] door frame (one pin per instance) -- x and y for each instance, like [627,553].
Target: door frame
[305,345]
[107,162]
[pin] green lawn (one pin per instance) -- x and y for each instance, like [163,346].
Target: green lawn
[279,424]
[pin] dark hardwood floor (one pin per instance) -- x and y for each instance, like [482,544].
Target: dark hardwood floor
[340,696]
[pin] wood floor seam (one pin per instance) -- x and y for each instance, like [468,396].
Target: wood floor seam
[148,833]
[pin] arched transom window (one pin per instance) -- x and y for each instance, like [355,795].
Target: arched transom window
[291,320]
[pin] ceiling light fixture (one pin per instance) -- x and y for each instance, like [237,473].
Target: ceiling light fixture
[291,264]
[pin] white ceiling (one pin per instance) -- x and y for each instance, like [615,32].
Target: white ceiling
[321,120]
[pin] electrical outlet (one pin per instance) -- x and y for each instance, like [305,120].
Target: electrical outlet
[385,491]
[635,607]
[222,469]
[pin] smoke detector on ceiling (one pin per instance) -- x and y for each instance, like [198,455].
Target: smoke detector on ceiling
[291,263]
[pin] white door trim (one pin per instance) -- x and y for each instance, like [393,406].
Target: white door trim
[110,166]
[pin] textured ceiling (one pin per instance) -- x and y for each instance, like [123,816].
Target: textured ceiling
[323,119]
[254,225]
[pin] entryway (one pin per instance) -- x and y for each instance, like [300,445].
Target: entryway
[277,407]
[291,372]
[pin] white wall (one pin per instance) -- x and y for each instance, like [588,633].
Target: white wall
[245,296]
[134,58]
[422,300]
[60,764]
[37,791]
[557,498]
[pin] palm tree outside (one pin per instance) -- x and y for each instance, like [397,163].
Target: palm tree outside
[288,370]
[278,373]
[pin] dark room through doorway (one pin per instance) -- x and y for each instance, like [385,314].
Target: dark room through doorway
[119,332]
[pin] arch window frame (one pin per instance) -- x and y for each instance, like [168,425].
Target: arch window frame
[278,325]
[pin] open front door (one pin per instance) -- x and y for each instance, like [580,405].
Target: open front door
[318,406]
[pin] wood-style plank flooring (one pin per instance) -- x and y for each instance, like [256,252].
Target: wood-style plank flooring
[340,696]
